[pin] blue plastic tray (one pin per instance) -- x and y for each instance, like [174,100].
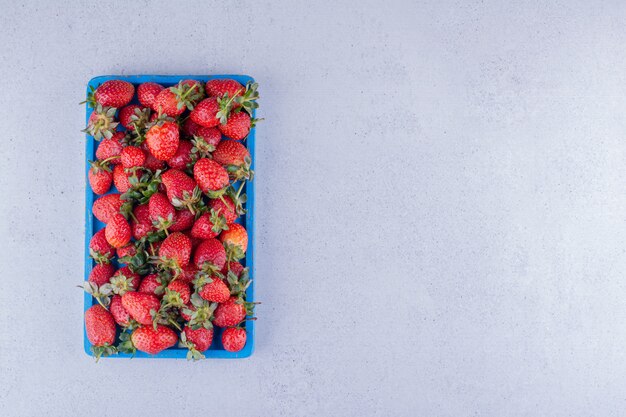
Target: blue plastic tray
[92,224]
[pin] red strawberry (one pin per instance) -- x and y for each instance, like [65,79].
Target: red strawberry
[234,339]
[215,291]
[114,93]
[126,251]
[210,255]
[205,113]
[141,222]
[236,235]
[102,123]
[182,158]
[166,102]
[152,163]
[119,313]
[161,211]
[208,225]
[121,178]
[237,126]
[235,157]
[124,280]
[188,273]
[139,304]
[133,116]
[152,284]
[230,152]
[209,175]
[182,289]
[149,340]
[100,328]
[234,267]
[147,92]
[183,220]
[101,273]
[181,189]
[106,206]
[100,177]
[99,249]
[219,87]
[175,251]
[225,207]
[162,140]
[211,135]
[132,156]
[108,149]
[230,313]
[189,128]
[201,338]
[117,231]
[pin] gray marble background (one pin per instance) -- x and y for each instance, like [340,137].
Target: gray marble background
[441,206]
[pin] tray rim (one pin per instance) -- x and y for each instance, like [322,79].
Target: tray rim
[174,352]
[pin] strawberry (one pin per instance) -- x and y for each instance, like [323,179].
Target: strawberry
[119,313]
[124,280]
[208,225]
[152,284]
[182,190]
[230,313]
[162,140]
[147,92]
[234,339]
[133,116]
[225,207]
[101,123]
[114,93]
[152,163]
[189,128]
[166,102]
[100,328]
[106,206]
[200,338]
[152,341]
[237,126]
[141,222]
[235,157]
[219,87]
[161,211]
[101,273]
[234,267]
[183,220]
[117,231]
[139,305]
[132,156]
[206,113]
[126,251]
[235,240]
[121,178]
[210,255]
[99,249]
[111,148]
[100,177]
[188,273]
[181,288]
[210,176]
[175,251]
[215,291]
[204,142]
[192,91]
[182,158]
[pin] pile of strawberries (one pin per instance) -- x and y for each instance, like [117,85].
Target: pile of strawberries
[179,167]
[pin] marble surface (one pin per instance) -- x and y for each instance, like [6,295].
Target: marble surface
[441,206]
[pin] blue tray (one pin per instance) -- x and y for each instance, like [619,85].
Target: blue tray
[92,225]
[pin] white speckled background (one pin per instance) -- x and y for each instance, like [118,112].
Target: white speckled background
[441,206]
